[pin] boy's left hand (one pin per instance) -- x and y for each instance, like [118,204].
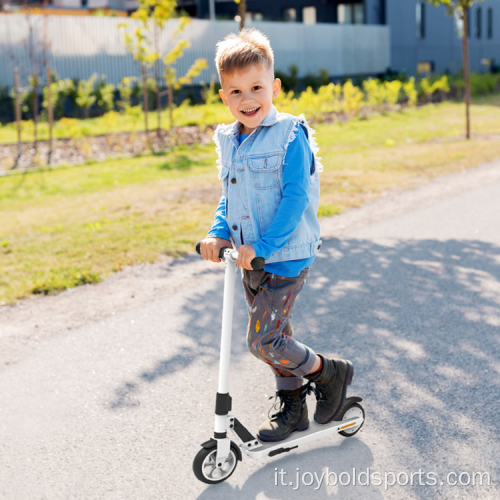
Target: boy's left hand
[246,254]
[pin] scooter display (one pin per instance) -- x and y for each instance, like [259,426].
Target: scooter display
[219,456]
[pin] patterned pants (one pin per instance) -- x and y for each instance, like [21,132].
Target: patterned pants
[270,300]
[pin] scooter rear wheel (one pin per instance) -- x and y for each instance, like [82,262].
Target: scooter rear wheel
[353,411]
[206,470]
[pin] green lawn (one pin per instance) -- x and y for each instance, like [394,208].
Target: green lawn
[74,225]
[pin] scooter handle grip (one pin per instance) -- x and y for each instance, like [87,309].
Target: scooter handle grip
[257,264]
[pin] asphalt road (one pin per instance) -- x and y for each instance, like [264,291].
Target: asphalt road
[407,288]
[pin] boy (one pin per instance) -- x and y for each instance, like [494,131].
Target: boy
[268,208]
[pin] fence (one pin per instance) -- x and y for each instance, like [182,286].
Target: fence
[80,46]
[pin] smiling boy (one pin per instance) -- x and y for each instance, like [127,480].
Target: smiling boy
[270,194]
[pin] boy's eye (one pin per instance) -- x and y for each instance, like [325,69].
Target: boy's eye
[256,87]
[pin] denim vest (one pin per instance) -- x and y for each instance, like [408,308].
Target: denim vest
[251,175]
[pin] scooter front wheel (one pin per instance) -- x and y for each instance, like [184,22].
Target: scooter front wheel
[205,466]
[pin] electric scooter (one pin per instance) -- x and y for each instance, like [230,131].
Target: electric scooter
[219,456]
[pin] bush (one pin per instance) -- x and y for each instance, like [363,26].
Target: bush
[60,89]
[6,104]
[85,94]
[104,95]
[317,81]
[290,81]
[485,83]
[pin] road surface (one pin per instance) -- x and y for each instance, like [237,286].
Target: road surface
[107,391]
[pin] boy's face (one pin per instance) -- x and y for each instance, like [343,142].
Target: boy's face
[251,88]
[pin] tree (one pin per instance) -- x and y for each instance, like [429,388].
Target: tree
[145,46]
[170,74]
[37,46]
[460,9]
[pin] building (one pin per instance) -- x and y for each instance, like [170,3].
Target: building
[423,37]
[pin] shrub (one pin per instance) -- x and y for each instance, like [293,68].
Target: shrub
[85,94]
[410,91]
[104,95]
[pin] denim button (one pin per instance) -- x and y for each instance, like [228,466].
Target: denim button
[235,227]
[233,181]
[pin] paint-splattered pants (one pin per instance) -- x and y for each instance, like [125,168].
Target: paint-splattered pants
[270,300]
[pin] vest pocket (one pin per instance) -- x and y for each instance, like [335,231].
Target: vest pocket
[265,172]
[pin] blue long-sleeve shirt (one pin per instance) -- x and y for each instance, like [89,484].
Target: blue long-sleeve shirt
[295,183]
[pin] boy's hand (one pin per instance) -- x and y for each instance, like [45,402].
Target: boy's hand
[246,254]
[210,247]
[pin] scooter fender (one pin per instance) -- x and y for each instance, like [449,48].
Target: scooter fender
[212,443]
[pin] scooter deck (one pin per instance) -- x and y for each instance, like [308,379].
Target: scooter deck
[296,438]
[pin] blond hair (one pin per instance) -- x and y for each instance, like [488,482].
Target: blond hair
[239,50]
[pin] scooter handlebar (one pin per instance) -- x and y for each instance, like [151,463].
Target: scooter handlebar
[257,264]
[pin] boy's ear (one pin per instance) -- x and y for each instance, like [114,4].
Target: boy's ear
[223,97]
[276,87]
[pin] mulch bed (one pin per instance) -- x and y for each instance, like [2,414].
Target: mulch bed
[98,147]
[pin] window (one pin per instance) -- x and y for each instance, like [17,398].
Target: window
[359,13]
[309,15]
[425,67]
[459,25]
[479,22]
[488,63]
[420,19]
[253,16]
[344,14]
[348,13]
[290,14]
[490,23]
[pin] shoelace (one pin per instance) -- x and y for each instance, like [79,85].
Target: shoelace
[320,396]
[282,409]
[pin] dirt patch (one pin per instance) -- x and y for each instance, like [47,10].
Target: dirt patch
[99,147]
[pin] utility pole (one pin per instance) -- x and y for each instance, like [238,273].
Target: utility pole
[211,5]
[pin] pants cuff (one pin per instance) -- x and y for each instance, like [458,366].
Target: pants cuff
[288,383]
[306,366]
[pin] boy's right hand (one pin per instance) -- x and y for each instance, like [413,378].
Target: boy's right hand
[209,248]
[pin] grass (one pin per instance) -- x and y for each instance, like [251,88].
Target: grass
[75,225]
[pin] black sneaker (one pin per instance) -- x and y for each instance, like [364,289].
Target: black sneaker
[331,388]
[291,416]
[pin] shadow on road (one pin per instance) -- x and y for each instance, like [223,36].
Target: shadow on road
[419,320]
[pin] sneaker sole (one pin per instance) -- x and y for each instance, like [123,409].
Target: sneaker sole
[348,381]
[301,427]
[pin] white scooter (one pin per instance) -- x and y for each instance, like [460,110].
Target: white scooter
[219,456]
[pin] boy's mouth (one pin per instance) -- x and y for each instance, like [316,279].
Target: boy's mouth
[251,112]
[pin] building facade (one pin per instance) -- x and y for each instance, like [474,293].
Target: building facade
[424,38]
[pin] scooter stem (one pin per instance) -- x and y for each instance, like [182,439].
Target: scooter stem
[227,320]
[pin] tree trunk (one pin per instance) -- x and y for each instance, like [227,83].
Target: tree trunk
[50,113]
[465,50]
[158,101]
[242,9]
[145,96]
[158,111]
[35,111]
[18,118]
[170,100]
[171,106]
